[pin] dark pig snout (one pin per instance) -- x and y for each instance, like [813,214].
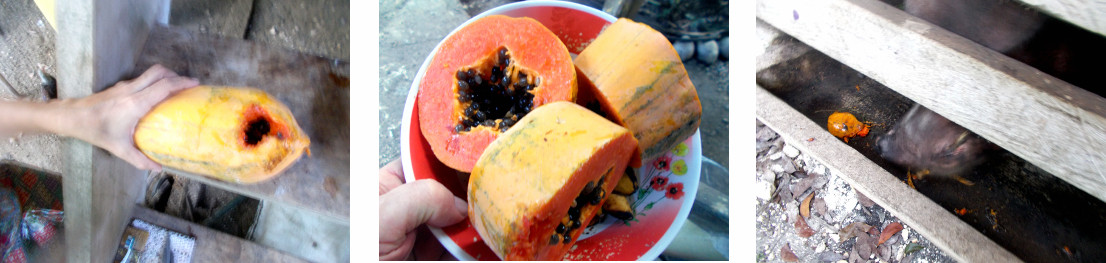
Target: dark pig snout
[924,140]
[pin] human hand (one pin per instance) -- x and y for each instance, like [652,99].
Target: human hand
[107,119]
[405,207]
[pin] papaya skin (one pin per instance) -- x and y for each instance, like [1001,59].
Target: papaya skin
[534,49]
[525,182]
[233,134]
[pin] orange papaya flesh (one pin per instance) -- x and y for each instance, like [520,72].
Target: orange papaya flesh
[590,97]
[233,134]
[484,78]
[640,75]
[536,186]
[844,125]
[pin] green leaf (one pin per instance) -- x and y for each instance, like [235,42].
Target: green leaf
[641,193]
[911,248]
[649,206]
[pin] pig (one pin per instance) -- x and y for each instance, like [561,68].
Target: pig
[927,143]
[1050,45]
[1001,25]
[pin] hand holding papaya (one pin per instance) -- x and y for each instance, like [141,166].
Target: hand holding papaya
[107,119]
[405,207]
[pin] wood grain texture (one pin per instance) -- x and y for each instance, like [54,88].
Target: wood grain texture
[315,89]
[97,44]
[1088,14]
[941,227]
[211,245]
[1043,120]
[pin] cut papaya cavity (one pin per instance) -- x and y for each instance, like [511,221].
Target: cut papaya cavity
[495,93]
[483,79]
[233,134]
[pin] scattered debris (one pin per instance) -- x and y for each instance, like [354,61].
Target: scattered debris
[803,203]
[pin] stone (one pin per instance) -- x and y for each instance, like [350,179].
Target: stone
[707,51]
[685,48]
[790,151]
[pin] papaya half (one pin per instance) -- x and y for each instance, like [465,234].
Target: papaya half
[484,78]
[233,134]
[635,78]
[534,188]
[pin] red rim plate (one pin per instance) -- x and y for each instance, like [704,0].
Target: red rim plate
[658,207]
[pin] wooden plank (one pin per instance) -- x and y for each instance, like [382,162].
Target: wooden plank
[211,245]
[314,88]
[958,239]
[97,43]
[1088,14]
[1043,120]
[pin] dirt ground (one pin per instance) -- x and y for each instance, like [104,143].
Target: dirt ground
[836,223]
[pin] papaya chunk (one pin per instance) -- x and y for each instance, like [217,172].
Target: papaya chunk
[233,134]
[484,78]
[536,186]
[636,78]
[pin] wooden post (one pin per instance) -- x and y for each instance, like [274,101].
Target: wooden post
[97,45]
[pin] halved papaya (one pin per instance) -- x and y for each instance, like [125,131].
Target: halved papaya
[233,134]
[486,77]
[535,188]
[640,82]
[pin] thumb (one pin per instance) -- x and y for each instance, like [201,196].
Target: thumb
[421,202]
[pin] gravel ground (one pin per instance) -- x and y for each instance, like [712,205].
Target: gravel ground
[842,225]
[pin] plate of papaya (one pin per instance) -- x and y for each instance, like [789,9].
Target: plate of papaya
[572,135]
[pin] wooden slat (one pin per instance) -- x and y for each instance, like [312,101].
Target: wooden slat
[956,238]
[1088,14]
[315,89]
[97,43]
[1054,125]
[211,245]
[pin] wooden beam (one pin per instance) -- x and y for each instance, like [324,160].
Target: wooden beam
[1045,121]
[958,239]
[97,43]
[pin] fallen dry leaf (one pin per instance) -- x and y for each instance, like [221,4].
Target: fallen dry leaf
[852,230]
[888,231]
[884,253]
[865,246]
[864,199]
[800,187]
[820,206]
[787,255]
[804,230]
[804,209]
